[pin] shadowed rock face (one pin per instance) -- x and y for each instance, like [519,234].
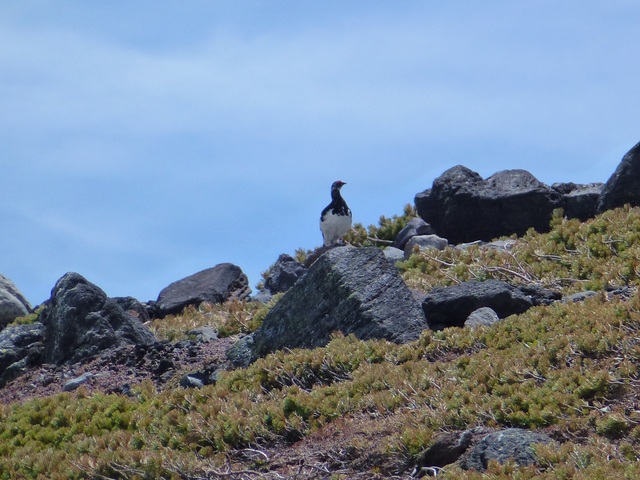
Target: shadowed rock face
[624,185]
[352,290]
[463,207]
[81,321]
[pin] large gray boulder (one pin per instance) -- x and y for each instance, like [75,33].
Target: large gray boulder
[81,322]
[451,306]
[12,302]
[513,444]
[624,185]
[462,207]
[21,347]
[213,285]
[352,290]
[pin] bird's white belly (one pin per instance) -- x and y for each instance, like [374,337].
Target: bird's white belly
[334,227]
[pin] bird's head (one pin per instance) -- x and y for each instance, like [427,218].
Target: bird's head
[337,185]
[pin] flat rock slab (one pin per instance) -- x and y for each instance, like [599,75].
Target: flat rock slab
[213,285]
[351,290]
[451,306]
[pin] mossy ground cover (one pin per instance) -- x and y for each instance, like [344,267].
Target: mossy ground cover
[568,369]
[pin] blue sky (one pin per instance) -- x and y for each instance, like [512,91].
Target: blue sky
[141,142]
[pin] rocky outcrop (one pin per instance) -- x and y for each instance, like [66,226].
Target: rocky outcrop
[21,347]
[463,207]
[352,290]
[513,444]
[12,302]
[81,322]
[624,185]
[213,285]
[451,306]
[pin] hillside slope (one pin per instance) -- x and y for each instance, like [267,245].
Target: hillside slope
[356,409]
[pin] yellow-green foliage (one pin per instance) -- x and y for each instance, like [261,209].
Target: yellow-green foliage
[228,319]
[603,252]
[569,369]
[28,319]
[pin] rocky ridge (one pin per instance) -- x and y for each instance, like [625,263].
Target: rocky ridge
[82,337]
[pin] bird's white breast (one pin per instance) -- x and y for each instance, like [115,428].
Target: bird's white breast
[334,227]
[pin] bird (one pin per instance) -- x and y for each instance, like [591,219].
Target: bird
[335,219]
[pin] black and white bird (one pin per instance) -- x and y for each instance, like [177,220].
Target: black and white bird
[335,219]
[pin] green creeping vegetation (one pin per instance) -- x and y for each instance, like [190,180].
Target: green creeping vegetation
[229,319]
[28,319]
[570,370]
[595,255]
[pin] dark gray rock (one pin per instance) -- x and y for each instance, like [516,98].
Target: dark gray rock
[241,354]
[81,321]
[579,200]
[424,242]
[539,295]
[284,273]
[133,307]
[484,316]
[624,185]
[451,306]
[12,302]
[463,207]
[513,444]
[21,347]
[352,290]
[448,448]
[213,285]
[416,226]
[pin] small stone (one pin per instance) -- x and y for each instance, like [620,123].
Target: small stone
[76,382]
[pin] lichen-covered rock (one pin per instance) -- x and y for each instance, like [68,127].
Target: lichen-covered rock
[21,346]
[81,321]
[513,444]
[352,290]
